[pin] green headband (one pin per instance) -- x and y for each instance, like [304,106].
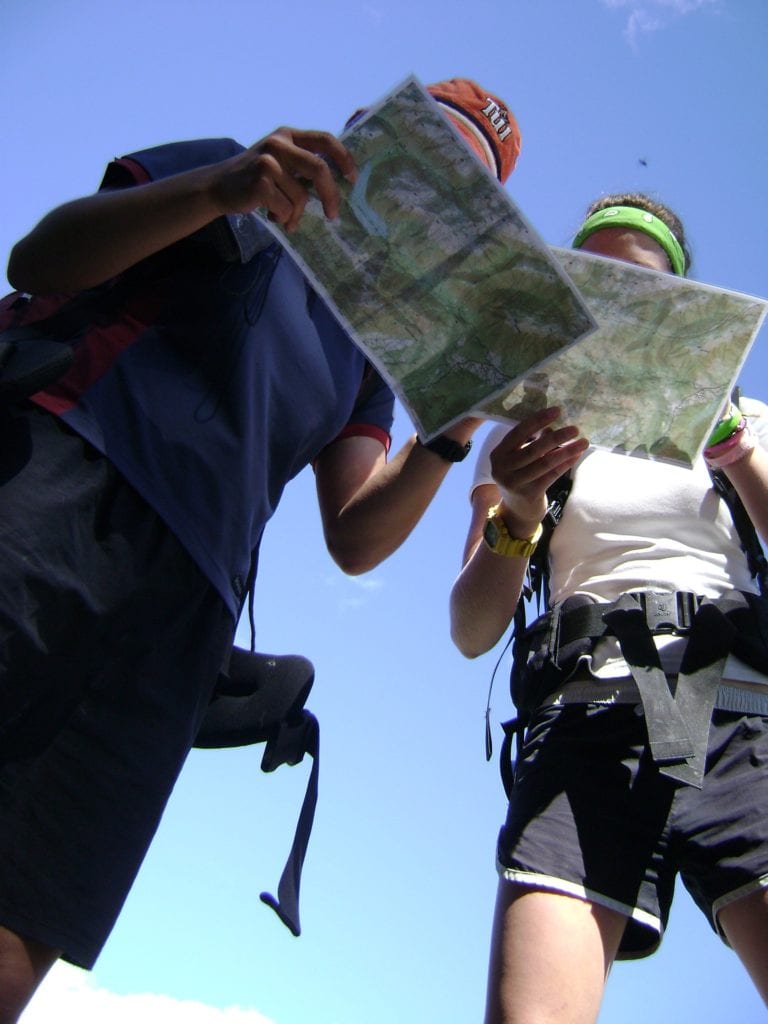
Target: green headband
[638,220]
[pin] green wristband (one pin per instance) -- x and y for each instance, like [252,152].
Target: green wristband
[725,427]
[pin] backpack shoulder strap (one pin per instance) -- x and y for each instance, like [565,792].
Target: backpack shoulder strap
[748,536]
[538,584]
[538,567]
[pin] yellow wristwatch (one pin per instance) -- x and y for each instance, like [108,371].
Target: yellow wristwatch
[496,536]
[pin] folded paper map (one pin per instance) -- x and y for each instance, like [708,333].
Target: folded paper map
[456,300]
[653,378]
[432,269]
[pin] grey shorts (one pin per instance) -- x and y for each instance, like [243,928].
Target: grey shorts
[591,816]
[111,641]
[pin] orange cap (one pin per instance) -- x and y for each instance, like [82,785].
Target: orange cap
[483,120]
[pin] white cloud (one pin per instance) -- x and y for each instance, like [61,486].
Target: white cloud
[361,582]
[647,16]
[354,591]
[70,996]
[672,6]
[367,586]
[375,14]
[366,582]
[641,21]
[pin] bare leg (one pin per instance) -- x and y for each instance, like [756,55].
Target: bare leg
[745,923]
[23,965]
[550,956]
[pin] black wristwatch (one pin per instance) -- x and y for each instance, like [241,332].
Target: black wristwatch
[447,448]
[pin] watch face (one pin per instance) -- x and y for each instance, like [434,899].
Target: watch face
[492,533]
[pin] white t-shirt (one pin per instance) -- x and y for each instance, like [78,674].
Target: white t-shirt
[633,524]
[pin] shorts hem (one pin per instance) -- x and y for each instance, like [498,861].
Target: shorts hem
[552,883]
[83,955]
[756,885]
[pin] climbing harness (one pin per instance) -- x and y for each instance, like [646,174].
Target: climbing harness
[677,710]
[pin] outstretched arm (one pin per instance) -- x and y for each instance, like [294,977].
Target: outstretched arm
[530,458]
[87,241]
[368,505]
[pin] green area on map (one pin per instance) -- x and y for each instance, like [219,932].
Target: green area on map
[436,274]
[460,305]
[654,376]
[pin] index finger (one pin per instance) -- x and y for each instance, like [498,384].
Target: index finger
[528,428]
[315,150]
[327,145]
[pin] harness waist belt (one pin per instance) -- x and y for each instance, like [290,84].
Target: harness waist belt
[677,710]
[729,696]
[663,614]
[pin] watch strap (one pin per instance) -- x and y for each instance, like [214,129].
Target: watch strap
[447,448]
[498,539]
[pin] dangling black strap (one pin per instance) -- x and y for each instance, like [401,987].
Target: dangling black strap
[668,736]
[709,644]
[519,626]
[513,730]
[695,700]
[260,699]
[286,906]
[678,723]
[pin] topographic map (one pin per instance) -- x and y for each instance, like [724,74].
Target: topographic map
[653,378]
[432,269]
[455,299]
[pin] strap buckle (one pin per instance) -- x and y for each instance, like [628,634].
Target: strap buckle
[668,613]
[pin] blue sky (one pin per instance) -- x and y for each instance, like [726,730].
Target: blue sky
[399,879]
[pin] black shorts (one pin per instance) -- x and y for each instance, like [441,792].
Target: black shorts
[111,641]
[591,816]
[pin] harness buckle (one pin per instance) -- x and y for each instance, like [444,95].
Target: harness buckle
[668,613]
[556,507]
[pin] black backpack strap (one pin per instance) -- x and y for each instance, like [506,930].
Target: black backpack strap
[538,566]
[513,733]
[748,537]
[260,699]
[35,355]
[538,584]
[29,362]
[286,905]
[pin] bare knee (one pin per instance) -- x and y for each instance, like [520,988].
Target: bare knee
[23,965]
